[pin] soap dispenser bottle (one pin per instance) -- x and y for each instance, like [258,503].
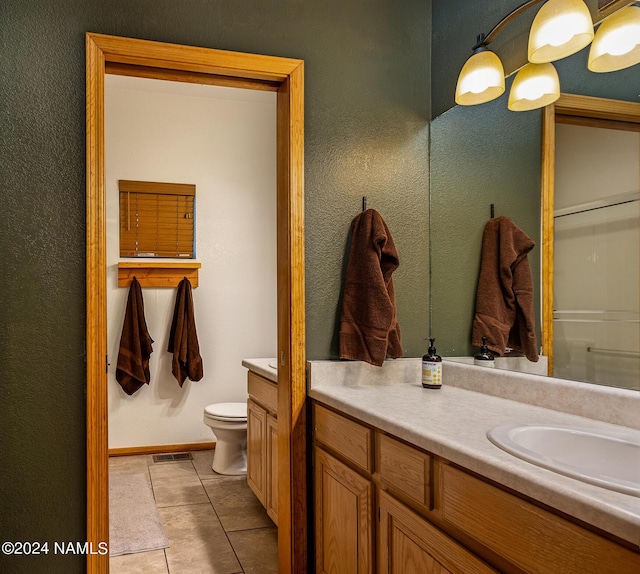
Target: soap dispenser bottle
[484,358]
[431,368]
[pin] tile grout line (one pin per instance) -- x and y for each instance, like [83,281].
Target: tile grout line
[164,550]
[201,479]
[222,525]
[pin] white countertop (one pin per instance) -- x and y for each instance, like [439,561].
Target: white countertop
[261,367]
[452,422]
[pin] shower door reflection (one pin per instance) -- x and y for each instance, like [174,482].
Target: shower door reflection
[596,257]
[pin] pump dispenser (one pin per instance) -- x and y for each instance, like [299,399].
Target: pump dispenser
[484,358]
[431,368]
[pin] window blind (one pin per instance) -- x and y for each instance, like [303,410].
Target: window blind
[156,219]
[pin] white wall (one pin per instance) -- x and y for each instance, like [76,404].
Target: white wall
[222,140]
[594,163]
[597,256]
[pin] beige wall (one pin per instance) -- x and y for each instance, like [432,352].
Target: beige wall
[223,141]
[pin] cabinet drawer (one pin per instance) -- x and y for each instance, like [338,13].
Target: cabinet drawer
[529,537]
[348,438]
[405,471]
[263,392]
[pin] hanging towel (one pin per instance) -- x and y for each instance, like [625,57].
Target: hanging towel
[183,339]
[369,330]
[504,298]
[132,370]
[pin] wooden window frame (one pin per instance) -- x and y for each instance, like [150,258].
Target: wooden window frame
[156,247]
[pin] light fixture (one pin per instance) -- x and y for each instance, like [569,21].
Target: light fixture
[535,86]
[560,28]
[482,76]
[481,79]
[617,42]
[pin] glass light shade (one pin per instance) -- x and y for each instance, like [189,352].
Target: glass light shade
[560,28]
[481,79]
[617,42]
[535,86]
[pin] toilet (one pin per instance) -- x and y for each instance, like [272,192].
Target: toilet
[228,421]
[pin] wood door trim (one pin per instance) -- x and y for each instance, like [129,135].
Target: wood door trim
[190,77]
[191,63]
[548,186]
[161,448]
[581,107]
[591,107]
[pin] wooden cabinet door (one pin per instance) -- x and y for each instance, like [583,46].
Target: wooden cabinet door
[409,544]
[344,525]
[272,468]
[256,450]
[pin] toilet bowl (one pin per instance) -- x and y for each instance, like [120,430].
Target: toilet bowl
[228,421]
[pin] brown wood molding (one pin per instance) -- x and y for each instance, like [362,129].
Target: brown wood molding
[190,77]
[602,108]
[597,123]
[96,338]
[292,386]
[193,59]
[161,448]
[186,63]
[157,274]
[548,175]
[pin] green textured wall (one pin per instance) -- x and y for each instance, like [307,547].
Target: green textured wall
[478,158]
[456,25]
[367,78]
[486,154]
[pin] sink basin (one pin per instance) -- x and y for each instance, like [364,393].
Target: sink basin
[607,458]
[273,365]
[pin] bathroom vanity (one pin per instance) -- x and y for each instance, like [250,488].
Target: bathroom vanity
[406,480]
[262,433]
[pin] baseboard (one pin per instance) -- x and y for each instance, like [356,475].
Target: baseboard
[162,448]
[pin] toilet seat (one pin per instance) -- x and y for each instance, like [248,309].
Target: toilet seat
[228,412]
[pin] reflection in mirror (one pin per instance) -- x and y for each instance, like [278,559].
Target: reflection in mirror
[487,155]
[520,364]
[596,252]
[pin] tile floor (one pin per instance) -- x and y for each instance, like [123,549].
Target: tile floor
[214,523]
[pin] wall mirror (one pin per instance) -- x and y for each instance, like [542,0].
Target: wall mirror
[590,240]
[486,155]
[125,56]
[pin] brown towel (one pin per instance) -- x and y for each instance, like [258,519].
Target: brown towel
[183,339]
[504,299]
[132,370]
[369,330]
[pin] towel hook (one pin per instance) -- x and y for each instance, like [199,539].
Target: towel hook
[364,203]
[492,211]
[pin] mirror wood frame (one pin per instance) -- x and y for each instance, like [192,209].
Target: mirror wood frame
[586,110]
[126,56]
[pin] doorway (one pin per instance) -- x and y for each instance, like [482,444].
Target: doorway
[590,323]
[222,141]
[109,54]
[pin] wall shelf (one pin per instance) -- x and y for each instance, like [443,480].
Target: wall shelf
[157,274]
